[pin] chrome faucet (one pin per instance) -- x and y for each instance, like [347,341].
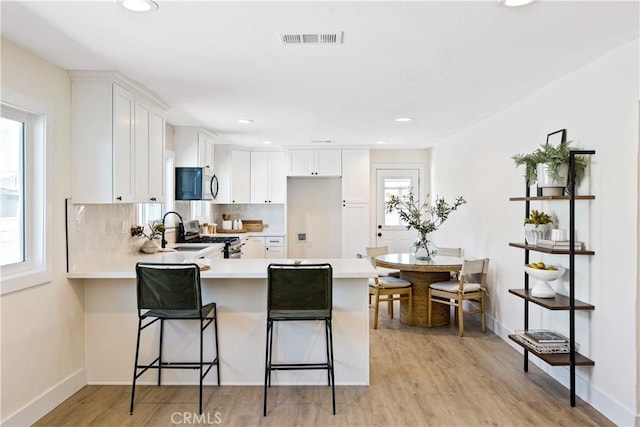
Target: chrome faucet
[163,242]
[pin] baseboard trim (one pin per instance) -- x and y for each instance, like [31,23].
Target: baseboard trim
[43,404]
[603,403]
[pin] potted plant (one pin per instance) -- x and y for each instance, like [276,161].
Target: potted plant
[150,246]
[537,226]
[548,166]
[424,218]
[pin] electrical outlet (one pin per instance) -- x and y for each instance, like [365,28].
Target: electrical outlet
[302,237]
[125,228]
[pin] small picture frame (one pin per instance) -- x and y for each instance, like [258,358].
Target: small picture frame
[557,137]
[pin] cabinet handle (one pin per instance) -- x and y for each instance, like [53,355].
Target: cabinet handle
[119,198]
[379,234]
[153,199]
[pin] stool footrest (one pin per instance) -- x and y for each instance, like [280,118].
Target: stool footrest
[302,366]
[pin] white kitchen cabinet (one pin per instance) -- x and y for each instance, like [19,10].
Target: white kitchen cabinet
[314,163]
[254,247]
[194,147]
[355,176]
[274,247]
[110,115]
[355,229]
[240,176]
[268,179]
[264,247]
[149,153]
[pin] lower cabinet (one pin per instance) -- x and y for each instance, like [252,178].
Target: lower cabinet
[264,247]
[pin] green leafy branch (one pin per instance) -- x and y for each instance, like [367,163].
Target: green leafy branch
[425,218]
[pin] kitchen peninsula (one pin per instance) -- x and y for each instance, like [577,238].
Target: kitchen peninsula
[239,287]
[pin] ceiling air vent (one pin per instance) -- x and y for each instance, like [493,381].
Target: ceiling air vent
[312,38]
[322,141]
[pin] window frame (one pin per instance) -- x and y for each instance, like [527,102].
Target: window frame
[36,269]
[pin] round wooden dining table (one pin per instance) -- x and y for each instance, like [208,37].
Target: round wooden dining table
[421,274]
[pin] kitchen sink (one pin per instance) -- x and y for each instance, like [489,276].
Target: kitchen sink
[191,248]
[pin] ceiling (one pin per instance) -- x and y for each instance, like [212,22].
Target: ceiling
[447,64]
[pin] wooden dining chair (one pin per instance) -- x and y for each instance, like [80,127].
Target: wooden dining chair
[453,252]
[390,288]
[471,287]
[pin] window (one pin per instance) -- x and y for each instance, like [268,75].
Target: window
[153,211]
[13,126]
[395,187]
[24,211]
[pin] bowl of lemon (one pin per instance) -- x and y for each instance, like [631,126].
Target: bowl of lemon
[544,274]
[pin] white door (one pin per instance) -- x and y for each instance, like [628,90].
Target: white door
[390,231]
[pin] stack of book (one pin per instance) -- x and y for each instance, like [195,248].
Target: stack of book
[560,244]
[544,341]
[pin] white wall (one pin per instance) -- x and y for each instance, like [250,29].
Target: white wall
[314,207]
[43,327]
[598,105]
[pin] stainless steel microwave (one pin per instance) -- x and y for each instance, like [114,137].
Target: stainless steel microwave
[196,184]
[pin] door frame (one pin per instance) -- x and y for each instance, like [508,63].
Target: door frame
[424,182]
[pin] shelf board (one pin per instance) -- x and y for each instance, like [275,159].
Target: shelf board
[549,250]
[523,199]
[560,302]
[556,359]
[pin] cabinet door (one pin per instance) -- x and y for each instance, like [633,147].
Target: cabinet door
[156,156]
[254,247]
[123,145]
[328,163]
[141,138]
[355,176]
[277,177]
[240,176]
[259,177]
[355,229]
[301,163]
[274,252]
[205,150]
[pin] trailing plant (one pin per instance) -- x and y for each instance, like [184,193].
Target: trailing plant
[554,157]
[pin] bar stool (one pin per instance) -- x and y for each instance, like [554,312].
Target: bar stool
[299,292]
[172,292]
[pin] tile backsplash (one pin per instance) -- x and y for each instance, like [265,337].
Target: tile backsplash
[100,232]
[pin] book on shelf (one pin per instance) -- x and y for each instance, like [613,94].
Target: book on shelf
[542,336]
[560,244]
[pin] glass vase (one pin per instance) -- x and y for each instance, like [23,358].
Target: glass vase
[423,249]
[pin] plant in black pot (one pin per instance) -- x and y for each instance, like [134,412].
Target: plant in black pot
[548,166]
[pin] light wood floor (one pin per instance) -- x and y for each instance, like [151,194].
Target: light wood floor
[419,377]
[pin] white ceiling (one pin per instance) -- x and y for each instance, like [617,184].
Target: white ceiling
[448,64]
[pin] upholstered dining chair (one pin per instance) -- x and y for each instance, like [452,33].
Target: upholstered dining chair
[471,287]
[374,251]
[453,252]
[391,288]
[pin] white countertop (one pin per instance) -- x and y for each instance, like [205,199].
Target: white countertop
[124,267]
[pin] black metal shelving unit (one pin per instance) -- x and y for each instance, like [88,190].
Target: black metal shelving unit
[560,302]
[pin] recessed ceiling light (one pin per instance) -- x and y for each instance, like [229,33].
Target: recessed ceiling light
[140,5]
[516,3]
[245,121]
[380,142]
[404,119]
[266,142]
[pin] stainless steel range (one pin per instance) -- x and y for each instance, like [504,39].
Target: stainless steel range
[232,245]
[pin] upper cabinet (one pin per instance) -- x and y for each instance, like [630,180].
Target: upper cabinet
[240,175]
[355,176]
[117,132]
[268,180]
[194,147]
[314,163]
